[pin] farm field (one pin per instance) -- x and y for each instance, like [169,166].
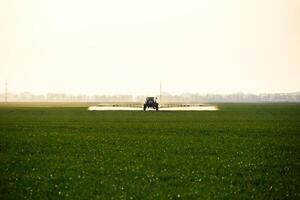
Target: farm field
[242,151]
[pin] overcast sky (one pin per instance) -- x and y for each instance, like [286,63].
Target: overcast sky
[127,47]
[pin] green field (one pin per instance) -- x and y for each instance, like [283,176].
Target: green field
[242,151]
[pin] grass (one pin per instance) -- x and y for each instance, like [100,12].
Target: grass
[242,151]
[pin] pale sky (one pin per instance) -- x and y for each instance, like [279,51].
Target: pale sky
[127,47]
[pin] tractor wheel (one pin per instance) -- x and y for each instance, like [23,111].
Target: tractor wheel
[144,107]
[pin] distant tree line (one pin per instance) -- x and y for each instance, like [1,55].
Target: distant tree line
[166,97]
[235,97]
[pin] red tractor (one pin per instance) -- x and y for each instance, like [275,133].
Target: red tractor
[151,102]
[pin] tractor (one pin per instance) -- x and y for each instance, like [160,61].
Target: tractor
[151,102]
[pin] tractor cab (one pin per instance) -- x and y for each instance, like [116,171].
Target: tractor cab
[151,102]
